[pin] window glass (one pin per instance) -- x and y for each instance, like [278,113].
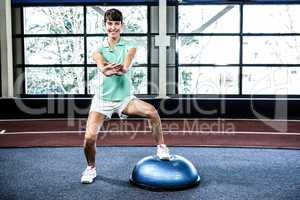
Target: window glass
[271,49]
[54,80]
[271,18]
[208,80]
[53,20]
[54,50]
[271,80]
[209,19]
[208,50]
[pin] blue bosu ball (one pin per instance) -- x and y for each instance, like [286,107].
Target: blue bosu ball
[155,174]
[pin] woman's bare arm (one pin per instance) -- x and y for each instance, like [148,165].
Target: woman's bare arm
[128,59]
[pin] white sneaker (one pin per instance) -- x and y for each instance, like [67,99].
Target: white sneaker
[163,152]
[88,175]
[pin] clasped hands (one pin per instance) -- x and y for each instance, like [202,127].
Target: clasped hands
[110,69]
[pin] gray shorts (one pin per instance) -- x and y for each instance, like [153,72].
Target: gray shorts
[107,108]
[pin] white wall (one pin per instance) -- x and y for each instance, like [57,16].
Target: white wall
[6,49]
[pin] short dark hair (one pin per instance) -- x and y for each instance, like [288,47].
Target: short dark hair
[113,15]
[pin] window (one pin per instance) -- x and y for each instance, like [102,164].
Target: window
[236,49]
[208,49]
[219,54]
[271,80]
[271,50]
[59,41]
[208,80]
[209,19]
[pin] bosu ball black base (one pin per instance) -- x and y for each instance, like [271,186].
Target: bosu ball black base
[175,174]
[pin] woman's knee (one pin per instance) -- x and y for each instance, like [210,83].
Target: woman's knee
[90,134]
[90,139]
[152,113]
[94,122]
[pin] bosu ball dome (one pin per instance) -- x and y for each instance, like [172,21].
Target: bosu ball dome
[175,174]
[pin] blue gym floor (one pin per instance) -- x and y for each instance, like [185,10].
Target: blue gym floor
[227,174]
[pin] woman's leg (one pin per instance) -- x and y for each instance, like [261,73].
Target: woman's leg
[94,122]
[144,109]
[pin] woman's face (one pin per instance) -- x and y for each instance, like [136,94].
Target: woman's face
[113,28]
